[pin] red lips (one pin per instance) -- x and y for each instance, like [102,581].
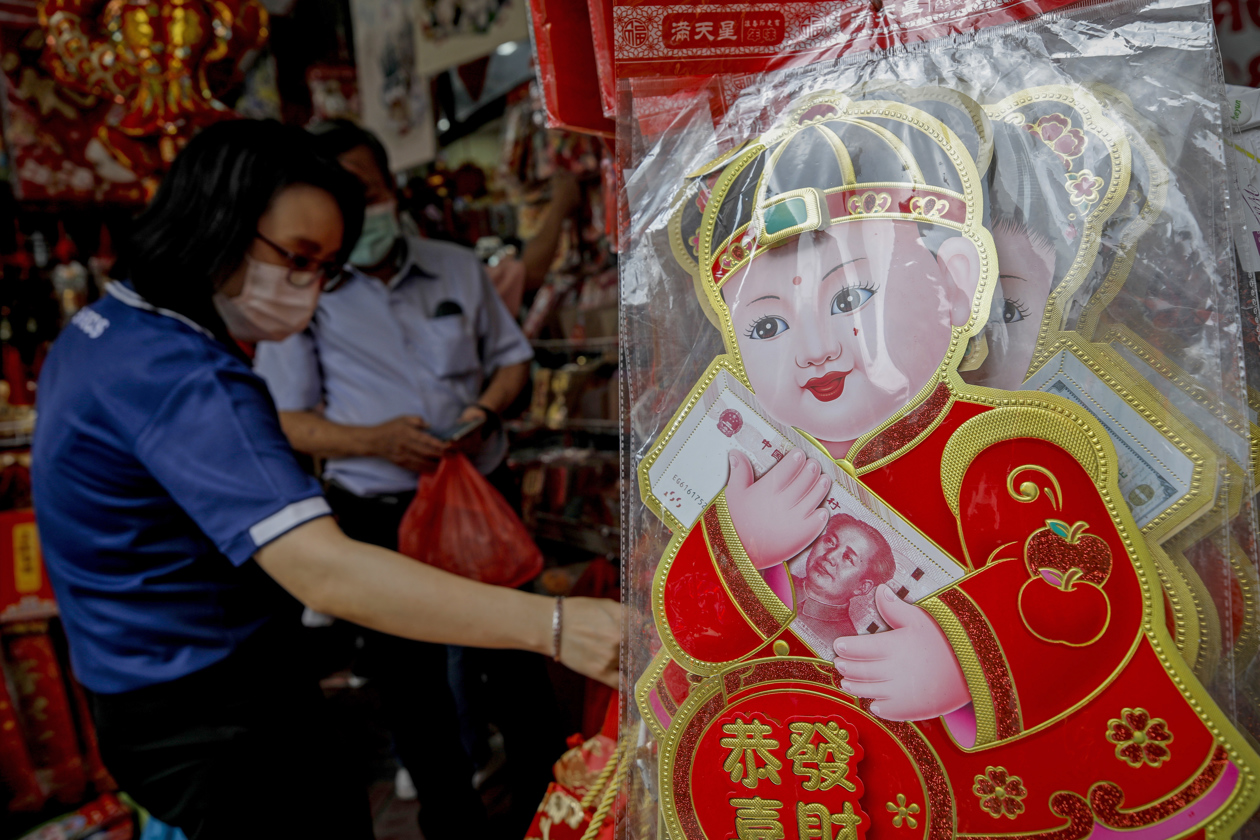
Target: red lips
[829,387]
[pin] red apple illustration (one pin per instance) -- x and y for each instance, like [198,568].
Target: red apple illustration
[1067,610]
[1064,602]
[1061,547]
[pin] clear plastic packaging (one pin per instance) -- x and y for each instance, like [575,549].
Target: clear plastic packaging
[985,285]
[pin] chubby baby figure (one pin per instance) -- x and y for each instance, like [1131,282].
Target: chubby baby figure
[838,331]
[845,260]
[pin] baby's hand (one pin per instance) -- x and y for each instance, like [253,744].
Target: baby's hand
[909,672]
[777,517]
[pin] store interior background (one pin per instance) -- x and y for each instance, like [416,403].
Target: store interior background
[475,158]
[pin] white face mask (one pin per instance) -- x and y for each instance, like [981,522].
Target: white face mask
[269,307]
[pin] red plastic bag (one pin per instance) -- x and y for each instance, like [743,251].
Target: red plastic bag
[461,524]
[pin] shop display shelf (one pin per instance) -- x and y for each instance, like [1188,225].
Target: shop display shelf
[16,429]
[576,424]
[556,345]
[592,537]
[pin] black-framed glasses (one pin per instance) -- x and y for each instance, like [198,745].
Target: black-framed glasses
[305,270]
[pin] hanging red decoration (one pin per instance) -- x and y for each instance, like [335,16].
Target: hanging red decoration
[146,72]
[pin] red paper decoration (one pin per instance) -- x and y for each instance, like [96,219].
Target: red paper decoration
[103,95]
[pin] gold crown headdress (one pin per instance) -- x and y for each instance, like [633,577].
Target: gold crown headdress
[836,159]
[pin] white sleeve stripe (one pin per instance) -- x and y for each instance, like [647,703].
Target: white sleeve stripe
[288,519]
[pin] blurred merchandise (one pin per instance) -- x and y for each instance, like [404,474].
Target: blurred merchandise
[260,99]
[49,753]
[102,96]
[43,704]
[20,790]
[69,276]
[574,93]
[25,592]
[334,92]
[465,90]
[1238,33]
[577,485]
[453,32]
[15,477]
[586,800]
[104,818]
[601,12]
[1242,106]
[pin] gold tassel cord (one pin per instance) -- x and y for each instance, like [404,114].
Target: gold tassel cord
[610,795]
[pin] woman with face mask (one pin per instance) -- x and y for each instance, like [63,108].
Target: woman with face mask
[182,537]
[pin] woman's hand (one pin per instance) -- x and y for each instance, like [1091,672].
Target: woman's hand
[385,591]
[590,638]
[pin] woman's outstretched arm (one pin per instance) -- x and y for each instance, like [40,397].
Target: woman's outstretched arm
[331,573]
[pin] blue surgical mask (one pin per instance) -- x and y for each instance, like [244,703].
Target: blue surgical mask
[380,232]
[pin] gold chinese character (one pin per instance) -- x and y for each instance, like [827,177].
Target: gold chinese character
[757,819]
[748,744]
[815,822]
[831,757]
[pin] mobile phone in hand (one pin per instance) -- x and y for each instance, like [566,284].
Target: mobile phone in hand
[459,432]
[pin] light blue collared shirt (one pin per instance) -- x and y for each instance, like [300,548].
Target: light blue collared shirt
[376,351]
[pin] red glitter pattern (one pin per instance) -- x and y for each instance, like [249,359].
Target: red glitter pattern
[941,826]
[1106,798]
[904,430]
[989,652]
[667,700]
[1070,805]
[1089,554]
[748,601]
[768,670]
[681,771]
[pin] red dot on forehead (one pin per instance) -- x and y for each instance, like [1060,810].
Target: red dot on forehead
[796,281]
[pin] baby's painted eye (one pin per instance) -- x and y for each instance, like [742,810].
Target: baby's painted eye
[1013,311]
[767,327]
[848,300]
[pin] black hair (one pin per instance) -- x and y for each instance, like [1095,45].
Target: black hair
[333,138]
[882,563]
[198,228]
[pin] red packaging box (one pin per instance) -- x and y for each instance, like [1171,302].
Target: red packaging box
[568,71]
[25,592]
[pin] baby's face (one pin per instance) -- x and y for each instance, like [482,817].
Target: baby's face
[1026,277]
[837,565]
[839,329]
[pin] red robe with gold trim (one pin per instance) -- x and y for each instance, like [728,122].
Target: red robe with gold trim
[1082,711]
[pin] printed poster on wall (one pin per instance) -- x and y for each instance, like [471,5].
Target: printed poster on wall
[394,96]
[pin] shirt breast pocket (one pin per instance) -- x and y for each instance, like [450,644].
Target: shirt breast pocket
[451,346]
